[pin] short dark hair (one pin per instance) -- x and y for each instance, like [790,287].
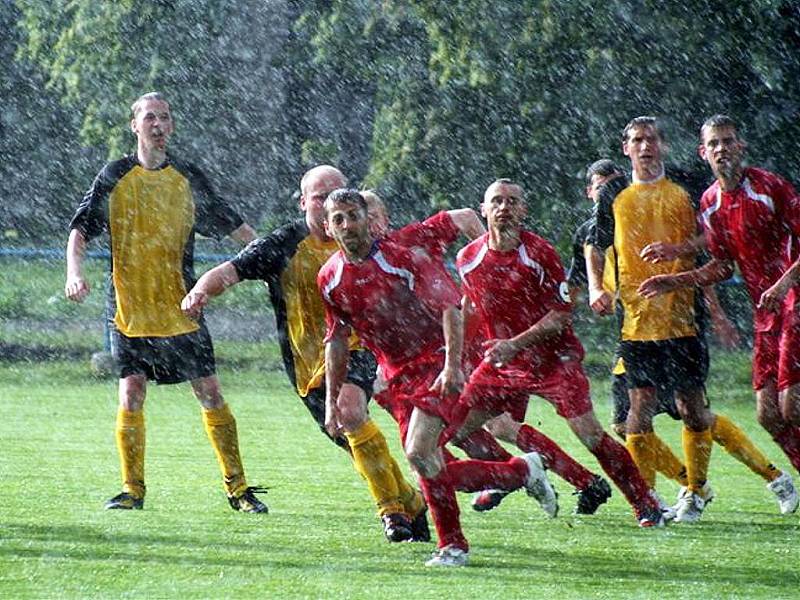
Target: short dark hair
[137,105]
[603,167]
[345,196]
[719,120]
[507,181]
[643,121]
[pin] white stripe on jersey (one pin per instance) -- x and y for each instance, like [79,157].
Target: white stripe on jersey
[471,265]
[335,280]
[388,268]
[712,209]
[763,198]
[528,262]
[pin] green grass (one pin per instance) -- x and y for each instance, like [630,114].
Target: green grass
[321,539]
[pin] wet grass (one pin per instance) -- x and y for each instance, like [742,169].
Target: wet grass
[321,539]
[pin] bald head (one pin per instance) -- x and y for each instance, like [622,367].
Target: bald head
[315,186]
[323,173]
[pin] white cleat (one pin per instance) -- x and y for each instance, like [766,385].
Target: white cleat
[691,505]
[449,556]
[538,486]
[668,512]
[785,492]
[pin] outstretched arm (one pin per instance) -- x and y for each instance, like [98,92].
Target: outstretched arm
[712,272]
[724,330]
[243,234]
[600,300]
[210,285]
[467,222]
[337,354]
[501,352]
[76,287]
[451,379]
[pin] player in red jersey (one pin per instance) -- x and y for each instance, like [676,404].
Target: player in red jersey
[433,236]
[515,280]
[404,307]
[751,218]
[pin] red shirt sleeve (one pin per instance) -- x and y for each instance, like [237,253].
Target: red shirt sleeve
[788,205]
[434,286]
[715,240]
[334,319]
[433,235]
[554,281]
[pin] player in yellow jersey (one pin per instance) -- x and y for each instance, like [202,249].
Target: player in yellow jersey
[151,204]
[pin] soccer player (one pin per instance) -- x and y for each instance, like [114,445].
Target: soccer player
[751,218]
[515,280]
[652,227]
[404,306]
[432,237]
[151,204]
[288,260]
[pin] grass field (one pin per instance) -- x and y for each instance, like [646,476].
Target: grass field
[321,539]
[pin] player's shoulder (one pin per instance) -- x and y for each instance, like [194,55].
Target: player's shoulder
[534,242]
[115,170]
[473,249]
[761,178]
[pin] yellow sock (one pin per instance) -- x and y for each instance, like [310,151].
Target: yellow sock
[697,450]
[640,448]
[221,429]
[130,444]
[411,498]
[666,462]
[736,443]
[372,459]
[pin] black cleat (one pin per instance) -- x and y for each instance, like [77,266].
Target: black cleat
[248,502]
[488,499]
[419,527]
[397,527]
[125,501]
[592,496]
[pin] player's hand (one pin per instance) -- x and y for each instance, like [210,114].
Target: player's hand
[450,381]
[660,252]
[499,352]
[193,303]
[601,302]
[772,299]
[76,289]
[332,418]
[655,286]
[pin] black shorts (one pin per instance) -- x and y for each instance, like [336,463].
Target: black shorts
[679,364]
[361,369]
[622,402]
[165,359]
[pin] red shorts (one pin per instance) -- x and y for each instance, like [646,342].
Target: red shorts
[506,390]
[776,353]
[408,390]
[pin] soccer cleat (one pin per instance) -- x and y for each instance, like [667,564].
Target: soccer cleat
[668,512]
[125,501]
[248,502]
[538,486]
[785,492]
[397,527]
[691,505]
[449,556]
[650,517]
[592,496]
[420,532]
[488,499]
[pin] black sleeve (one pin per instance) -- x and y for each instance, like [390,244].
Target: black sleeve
[576,274]
[213,216]
[91,217]
[602,234]
[260,258]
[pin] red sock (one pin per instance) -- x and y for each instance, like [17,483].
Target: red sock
[619,465]
[555,459]
[441,499]
[476,475]
[789,441]
[482,445]
[449,456]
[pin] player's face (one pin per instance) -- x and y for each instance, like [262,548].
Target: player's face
[595,182]
[723,150]
[152,124]
[312,202]
[503,206]
[347,223]
[645,148]
[378,219]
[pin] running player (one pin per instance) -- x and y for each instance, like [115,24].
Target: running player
[405,308]
[515,280]
[151,204]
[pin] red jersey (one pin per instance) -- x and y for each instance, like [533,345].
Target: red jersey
[431,236]
[513,290]
[394,300]
[755,225]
